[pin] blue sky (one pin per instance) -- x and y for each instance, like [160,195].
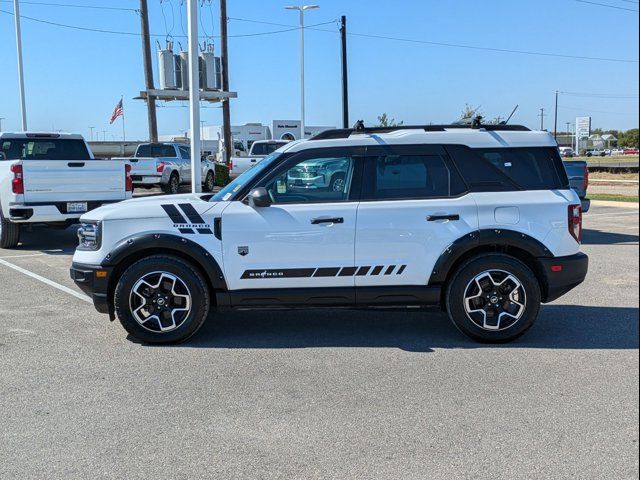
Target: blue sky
[74,78]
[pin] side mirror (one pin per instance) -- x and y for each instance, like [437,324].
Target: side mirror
[259,197]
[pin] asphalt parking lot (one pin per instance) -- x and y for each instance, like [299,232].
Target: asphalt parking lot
[322,394]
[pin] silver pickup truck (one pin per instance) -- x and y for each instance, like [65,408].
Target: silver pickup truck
[167,165]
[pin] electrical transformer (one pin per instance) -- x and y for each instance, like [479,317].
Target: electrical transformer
[211,70]
[167,68]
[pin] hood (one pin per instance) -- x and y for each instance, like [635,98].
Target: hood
[149,207]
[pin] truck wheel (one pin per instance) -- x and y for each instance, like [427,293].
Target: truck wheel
[9,232]
[209,182]
[172,187]
[161,299]
[493,298]
[337,183]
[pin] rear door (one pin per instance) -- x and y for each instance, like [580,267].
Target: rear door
[305,239]
[413,205]
[62,169]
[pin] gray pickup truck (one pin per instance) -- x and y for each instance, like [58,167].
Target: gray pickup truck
[578,174]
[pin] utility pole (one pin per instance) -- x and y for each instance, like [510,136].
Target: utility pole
[345,86]
[23,105]
[224,63]
[194,95]
[148,71]
[542,115]
[555,122]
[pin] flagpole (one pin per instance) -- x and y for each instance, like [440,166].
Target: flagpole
[123,131]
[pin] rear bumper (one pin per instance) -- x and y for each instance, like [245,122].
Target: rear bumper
[95,285]
[562,274]
[54,212]
[147,180]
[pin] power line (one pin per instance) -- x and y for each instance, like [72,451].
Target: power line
[116,32]
[601,95]
[608,6]
[69,5]
[590,110]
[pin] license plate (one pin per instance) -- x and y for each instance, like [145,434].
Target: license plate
[76,207]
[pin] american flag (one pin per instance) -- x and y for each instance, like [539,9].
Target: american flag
[117,112]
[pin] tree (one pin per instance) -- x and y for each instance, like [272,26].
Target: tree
[384,121]
[470,112]
[630,138]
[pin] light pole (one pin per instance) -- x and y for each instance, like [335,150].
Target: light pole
[301,9]
[569,133]
[1,118]
[23,107]
[91,130]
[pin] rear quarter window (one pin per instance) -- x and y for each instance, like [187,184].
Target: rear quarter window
[508,169]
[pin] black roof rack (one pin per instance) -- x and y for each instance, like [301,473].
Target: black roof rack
[346,132]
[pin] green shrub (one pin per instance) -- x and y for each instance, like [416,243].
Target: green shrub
[222,174]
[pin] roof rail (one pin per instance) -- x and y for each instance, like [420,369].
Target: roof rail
[360,129]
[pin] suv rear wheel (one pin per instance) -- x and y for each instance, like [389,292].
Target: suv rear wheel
[172,187]
[161,299]
[493,298]
[9,233]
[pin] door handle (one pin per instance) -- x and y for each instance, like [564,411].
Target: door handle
[317,221]
[75,164]
[435,218]
[253,161]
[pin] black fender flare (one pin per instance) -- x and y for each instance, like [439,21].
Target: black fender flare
[480,238]
[167,242]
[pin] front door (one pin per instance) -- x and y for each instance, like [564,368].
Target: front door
[413,206]
[305,238]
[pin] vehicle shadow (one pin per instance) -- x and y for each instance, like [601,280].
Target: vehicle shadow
[51,241]
[558,326]
[600,237]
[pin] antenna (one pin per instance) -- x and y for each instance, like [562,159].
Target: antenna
[509,118]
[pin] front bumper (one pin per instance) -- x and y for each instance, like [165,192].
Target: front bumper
[562,274]
[94,281]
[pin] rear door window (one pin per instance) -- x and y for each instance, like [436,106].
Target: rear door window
[409,177]
[44,149]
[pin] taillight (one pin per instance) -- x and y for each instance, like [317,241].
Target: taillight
[17,184]
[585,185]
[575,222]
[160,167]
[128,182]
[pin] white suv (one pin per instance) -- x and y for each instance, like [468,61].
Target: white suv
[478,221]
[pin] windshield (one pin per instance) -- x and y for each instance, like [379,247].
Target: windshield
[265,148]
[228,193]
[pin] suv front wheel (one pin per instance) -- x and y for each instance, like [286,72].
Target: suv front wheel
[161,299]
[493,298]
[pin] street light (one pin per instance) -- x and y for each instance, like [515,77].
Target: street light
[301,9]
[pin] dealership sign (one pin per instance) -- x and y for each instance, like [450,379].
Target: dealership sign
[583,127]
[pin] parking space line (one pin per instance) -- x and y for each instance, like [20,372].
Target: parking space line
[51,283]
[27,255]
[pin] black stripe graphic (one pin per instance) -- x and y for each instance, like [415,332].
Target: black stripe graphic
[205,231]
[377,270]
[186,230]
[363,271]
[314,272]
[174,214]
[278,273]
[192,214]
[326,272]
[347,271]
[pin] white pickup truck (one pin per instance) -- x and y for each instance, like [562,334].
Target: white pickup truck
[259,150]
[52,178]
[167,165]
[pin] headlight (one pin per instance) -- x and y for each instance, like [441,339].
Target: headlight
[90,235]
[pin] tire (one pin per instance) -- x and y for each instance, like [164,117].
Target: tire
[139,308]
[337,182]
[209,182]
[518,299]
[172,187]
[9,232]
